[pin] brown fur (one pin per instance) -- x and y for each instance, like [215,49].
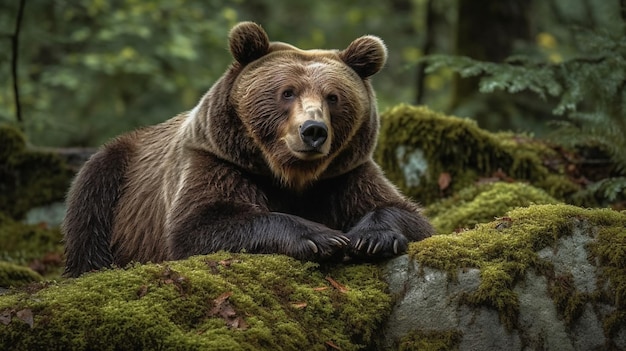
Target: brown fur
[236,172]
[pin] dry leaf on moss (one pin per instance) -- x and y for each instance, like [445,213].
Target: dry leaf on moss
[224,309]
[5,317]
[26,315]
[342,288]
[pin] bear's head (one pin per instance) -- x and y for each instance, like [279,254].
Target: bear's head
[296,115]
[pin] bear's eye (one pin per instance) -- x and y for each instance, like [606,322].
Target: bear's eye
[288,94]
[332,99]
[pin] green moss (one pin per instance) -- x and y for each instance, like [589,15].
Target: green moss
[28,178]
[431,341]
[268,302]
[12,275]
[504,250]
[26,244]
[12,142]
[568,301]
[417,145]
[482,203]
[365,284]
[609,250]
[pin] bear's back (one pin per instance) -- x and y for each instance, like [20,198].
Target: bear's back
[140,213]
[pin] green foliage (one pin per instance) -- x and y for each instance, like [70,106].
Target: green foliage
[221,301]
[88,66]
[589,90]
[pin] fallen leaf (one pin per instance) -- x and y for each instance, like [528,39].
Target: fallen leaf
[221,307]
[26,315]
[444,180]
[224,309]
[228,262]
[238,323]
[212,266]
[332,345]
[299,305]
[504,222]
[5,317]
[218,301]
[142,291]
[502,176]
[321,288]
[342,288]
[170,276]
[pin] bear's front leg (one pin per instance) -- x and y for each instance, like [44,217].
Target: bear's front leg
[239,227]
[381,221]
[386,232]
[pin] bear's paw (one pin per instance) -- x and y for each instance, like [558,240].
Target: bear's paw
[376,242]
[321,246]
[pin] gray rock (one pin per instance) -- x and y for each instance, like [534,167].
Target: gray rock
[51,214]
[428,300]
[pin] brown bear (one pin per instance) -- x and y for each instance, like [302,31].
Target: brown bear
[275,158]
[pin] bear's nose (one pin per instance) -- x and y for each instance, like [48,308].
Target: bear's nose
[313,133]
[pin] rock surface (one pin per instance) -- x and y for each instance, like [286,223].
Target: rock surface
[434,302]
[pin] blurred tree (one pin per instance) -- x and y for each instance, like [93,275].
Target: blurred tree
[582,83]
[92,69]
[487,31]
[89,65]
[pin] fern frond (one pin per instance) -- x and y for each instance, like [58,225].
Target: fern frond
[610,189]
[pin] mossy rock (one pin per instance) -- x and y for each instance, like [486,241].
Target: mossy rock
[28,178]
[482,203]
[12,275]
[507,249]
[431,156]
[431,341]
[27,244]
[220,301]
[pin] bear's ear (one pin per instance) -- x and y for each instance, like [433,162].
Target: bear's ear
[248,41]
[365,55]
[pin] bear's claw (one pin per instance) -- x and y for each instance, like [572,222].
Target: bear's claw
[323,247]
[312,245]
[377,243]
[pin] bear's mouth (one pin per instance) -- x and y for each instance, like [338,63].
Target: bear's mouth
[309,154]
[306,152]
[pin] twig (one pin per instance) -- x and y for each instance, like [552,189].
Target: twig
[14,45]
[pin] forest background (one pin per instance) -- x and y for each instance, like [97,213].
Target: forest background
[77,73]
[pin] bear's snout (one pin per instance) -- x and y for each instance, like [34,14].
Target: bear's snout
[313,133]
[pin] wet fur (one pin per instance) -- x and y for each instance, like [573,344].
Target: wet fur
[220,177]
